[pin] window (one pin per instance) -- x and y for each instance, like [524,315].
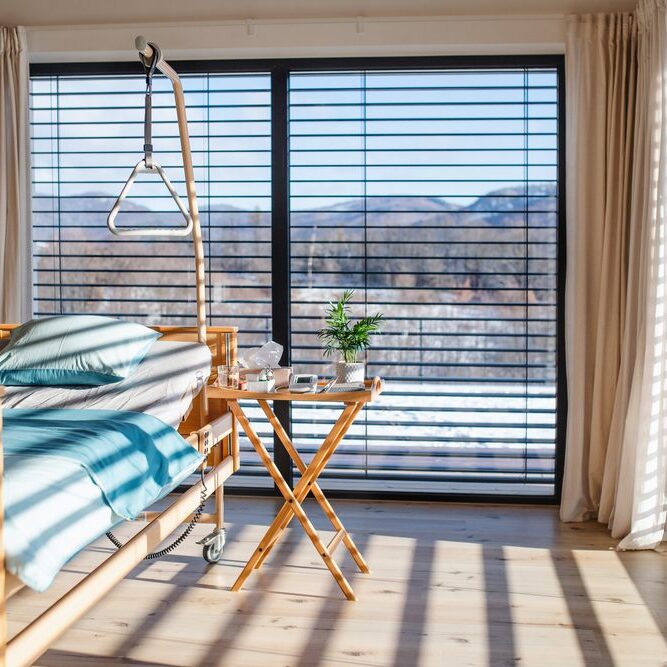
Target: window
[87,133]
[433,194]
[431,187]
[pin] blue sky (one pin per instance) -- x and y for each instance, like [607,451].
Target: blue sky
[352,134]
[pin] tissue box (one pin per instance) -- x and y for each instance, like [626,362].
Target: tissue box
[262,386]
[281,374]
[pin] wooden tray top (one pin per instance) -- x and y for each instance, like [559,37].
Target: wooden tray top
[373,389]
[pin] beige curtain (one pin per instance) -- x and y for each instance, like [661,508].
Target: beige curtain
[601,80]
[15,250]
[640,510]
[615,296]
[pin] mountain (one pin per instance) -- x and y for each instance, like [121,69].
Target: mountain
[431,264]
[500,208]
[482,244]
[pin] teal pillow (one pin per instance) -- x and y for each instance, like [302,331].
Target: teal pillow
[74,350]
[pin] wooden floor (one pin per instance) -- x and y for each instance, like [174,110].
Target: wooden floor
[451,585]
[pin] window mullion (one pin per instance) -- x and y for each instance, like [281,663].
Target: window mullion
[280,246]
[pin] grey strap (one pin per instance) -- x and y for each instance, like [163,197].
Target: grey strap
[149,68]
[148,122]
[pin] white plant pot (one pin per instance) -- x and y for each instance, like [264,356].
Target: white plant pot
[349,372]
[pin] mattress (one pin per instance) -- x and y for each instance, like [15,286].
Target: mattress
[163,385]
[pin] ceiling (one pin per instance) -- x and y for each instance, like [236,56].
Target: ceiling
[88,12]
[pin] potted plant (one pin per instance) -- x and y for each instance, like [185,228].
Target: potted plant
[347,338]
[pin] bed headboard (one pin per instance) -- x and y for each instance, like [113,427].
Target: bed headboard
[221,341]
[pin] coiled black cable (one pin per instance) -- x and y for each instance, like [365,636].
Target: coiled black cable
[180,539]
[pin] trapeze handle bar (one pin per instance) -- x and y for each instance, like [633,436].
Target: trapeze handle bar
[152,59]
[143,168]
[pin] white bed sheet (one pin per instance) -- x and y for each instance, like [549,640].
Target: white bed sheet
[163,385]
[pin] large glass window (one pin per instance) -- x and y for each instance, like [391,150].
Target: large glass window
[432,191]
[433,194]
[87,134]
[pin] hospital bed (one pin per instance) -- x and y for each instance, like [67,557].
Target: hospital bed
[168,390]
[170,384]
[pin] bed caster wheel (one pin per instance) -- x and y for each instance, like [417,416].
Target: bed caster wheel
[214,544]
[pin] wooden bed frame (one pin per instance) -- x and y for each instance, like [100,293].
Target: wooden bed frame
[208,427]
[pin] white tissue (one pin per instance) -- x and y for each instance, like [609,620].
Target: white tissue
[267,356]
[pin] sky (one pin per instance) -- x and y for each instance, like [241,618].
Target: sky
[454,135]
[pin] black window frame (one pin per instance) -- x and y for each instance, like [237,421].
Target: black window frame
[279,70]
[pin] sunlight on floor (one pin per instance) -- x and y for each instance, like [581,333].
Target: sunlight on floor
[450,585]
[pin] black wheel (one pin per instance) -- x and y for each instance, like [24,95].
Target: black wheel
[212,551]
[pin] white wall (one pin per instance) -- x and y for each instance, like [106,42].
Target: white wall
[507,34]
[108,12]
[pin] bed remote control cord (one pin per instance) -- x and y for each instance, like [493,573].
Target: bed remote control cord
[180,539]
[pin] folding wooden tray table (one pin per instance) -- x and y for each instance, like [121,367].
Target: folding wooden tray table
[353,402]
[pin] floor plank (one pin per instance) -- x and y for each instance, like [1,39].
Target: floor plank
[451,584]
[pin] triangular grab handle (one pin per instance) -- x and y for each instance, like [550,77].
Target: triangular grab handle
[142,168]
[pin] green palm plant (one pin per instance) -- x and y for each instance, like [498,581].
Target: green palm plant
[341,335]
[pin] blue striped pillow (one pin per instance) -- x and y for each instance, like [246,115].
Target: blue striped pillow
[74,350]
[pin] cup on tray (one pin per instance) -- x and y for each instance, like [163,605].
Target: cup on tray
[282,376]
[228,377]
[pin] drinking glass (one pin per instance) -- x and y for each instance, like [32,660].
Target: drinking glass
[228,376]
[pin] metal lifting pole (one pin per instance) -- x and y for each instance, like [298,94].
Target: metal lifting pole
[146,52]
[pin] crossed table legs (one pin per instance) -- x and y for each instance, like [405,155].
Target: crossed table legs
[293,498]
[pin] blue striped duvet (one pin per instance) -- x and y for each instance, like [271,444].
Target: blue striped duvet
[70,475]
